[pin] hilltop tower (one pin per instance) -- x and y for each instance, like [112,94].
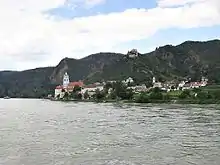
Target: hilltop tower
[66,80]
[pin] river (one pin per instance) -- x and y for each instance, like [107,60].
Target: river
[42,132]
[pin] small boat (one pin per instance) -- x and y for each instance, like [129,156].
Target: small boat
[6,97]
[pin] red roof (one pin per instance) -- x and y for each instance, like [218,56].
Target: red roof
[77,83]
[196,84]
[71,85]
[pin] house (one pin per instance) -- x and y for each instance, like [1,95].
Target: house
[59,92]
[181,84]
[111,81]
[195,84]
[204,82]
[91,89]
[139,88]
[157,85]
[128,80]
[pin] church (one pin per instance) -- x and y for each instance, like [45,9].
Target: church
[67,86]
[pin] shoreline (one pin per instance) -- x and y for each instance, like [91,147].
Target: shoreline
[174,101]
[199,102]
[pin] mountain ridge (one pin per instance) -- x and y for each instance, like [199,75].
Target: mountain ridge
[190,58]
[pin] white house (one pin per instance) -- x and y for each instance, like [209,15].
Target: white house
[157,85]
[58,92]
[91,89]
[127,81]
[181,84]
[139,88]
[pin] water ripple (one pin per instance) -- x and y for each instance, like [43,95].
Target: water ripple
[43,132]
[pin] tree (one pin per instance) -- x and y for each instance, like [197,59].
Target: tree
[185,94]
[76,89]
[113,95]
[216,94]
[76,95]
[172,87]
[160,79]
[149,84]
[108,85]
[79,96]
[156,90]
[99,95]
[66,95]
[142,98]
[202,95]
[86,95]
[166,97]
[127,94]
[196,90]
[156,96]
[121,91]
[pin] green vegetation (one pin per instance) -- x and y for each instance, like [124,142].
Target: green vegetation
[118,91]
[189,59]
[194,96]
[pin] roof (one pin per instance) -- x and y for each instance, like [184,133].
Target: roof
[77,83]
[196,83]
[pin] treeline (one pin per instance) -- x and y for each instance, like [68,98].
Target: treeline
[119,91]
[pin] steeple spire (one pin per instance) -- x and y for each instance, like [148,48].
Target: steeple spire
[66,80]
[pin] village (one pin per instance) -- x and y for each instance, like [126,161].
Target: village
[68,87]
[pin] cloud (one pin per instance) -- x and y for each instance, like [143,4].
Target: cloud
[32,37]
[173,3]
[83,3]
[92,3]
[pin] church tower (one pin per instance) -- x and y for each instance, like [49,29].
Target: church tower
[154,80]
[66,80]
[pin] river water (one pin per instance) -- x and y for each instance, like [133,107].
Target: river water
[42,132]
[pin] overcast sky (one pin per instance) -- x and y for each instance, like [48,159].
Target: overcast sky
[37,33]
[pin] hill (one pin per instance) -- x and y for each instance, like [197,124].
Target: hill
[189,59]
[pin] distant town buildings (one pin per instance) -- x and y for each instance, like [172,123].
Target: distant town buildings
[128,81]
[183,85]
[91,89]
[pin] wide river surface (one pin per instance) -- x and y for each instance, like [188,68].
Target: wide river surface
[42,132]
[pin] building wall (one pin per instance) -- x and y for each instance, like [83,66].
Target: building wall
[58,92]
[91,91]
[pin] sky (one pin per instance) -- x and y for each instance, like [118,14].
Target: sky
[39,33]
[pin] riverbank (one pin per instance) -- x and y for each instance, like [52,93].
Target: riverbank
[186,101]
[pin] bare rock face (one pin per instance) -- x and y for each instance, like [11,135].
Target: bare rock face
[58,72]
